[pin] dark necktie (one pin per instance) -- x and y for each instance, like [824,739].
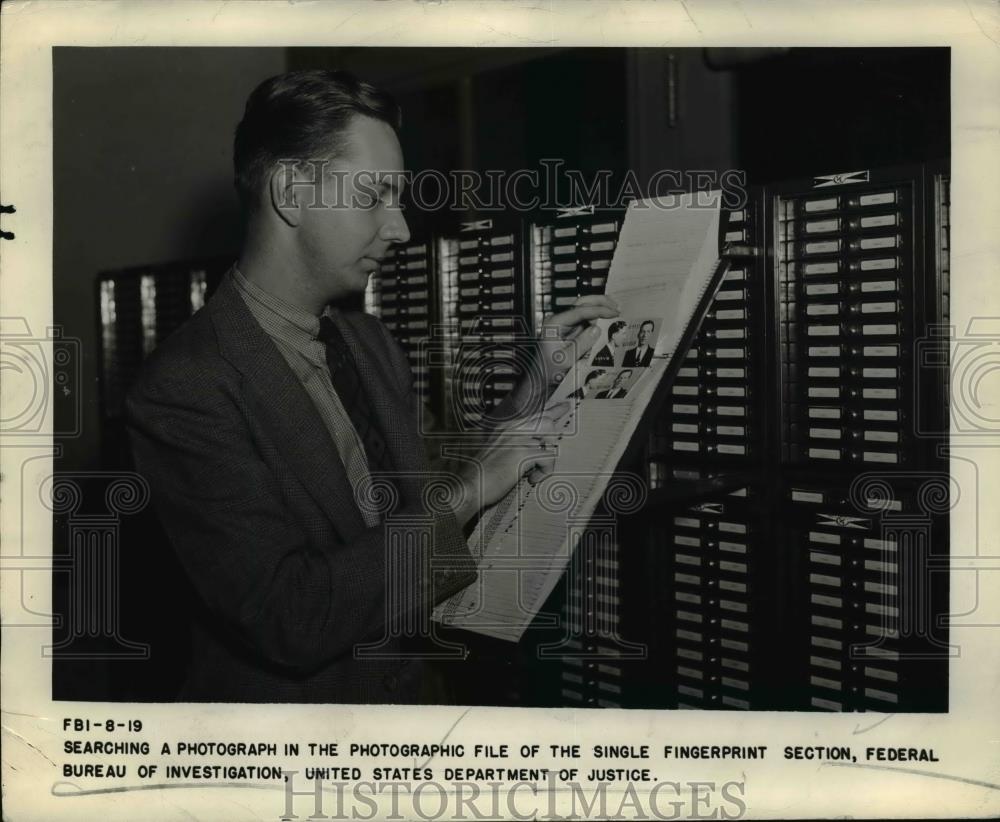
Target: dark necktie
[347,383]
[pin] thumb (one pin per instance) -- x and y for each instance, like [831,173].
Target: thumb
[587,339]
[575,348]
[557,410]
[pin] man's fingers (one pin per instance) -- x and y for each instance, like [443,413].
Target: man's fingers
[535,475]
[551,413]
[583,312]
[586,340]
[554,418]
[575,346]
[556,411]
[544,462]
[574,349]
[539,425]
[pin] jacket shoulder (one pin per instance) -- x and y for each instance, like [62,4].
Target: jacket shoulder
[187,358]
[373,331]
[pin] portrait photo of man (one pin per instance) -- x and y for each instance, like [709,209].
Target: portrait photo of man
[617,390]
[641,355]
[605,358]
[588,384]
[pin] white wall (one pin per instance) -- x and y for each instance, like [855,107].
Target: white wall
[143,174]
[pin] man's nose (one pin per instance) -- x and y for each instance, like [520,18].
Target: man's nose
[395,229]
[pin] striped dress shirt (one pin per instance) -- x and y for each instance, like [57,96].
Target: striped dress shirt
[294,331]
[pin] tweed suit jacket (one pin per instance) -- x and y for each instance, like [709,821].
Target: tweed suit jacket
[256,502]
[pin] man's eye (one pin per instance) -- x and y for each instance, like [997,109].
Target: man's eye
[373,199]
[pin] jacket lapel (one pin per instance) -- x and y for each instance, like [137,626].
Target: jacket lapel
[279,401]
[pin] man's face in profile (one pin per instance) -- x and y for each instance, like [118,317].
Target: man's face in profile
[591,381]
[356,214]
[600,382]
[644,331]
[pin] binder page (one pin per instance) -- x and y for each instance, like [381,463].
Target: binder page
[664,261]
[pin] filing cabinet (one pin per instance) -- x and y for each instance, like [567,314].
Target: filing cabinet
[714,415]
[593,657]
[861,565]
[405,296]
[121,340]
[714,579]
[571,257]
[492,311]
[850,284]
[804,375]
[138,309]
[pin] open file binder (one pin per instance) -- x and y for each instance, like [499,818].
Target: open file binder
[665,274]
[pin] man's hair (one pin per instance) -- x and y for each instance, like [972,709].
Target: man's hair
[593,375]
[644,323]
[623,372]
[301,115]
[615,327]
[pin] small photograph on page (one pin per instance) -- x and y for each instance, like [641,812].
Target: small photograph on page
[640,342]
[617,384]
[611,349]
[590,380]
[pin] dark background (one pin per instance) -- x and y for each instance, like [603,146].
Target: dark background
[142,175]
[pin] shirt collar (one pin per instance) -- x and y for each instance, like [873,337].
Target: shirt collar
[264,300]
[283,321]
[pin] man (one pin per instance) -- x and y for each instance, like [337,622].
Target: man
[271,425]
[605,358]
[588,383]
[617,390]
[641,355]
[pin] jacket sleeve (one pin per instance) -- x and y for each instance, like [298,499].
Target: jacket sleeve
[293,603]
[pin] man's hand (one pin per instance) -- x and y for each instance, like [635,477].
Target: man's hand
[526,448]
[568,336]
[564,338]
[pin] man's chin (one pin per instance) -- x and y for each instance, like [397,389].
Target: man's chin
[350,285]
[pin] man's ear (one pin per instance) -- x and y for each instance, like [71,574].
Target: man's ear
[285,196]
